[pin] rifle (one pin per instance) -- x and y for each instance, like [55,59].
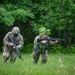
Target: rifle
[50,39]
[16,49]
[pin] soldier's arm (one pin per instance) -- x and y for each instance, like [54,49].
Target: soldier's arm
[52,42]
[6,40]
[35,40]
[21,42]
[35,43]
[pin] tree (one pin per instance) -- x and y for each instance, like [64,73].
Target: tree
[56,15]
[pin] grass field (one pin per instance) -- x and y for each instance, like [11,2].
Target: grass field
[57,64]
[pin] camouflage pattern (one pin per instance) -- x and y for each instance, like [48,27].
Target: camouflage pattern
[43,30]
[37,52]
[8,50]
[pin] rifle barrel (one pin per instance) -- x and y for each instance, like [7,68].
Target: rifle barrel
[50,39]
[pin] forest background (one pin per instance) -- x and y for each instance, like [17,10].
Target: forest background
[29,15]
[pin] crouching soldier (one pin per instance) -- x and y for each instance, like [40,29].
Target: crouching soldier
[9,49]
[41,45]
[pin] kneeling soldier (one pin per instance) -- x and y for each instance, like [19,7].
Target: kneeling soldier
[9,49]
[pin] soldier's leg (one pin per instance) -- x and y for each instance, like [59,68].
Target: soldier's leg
[5,59]
[44,57]
[36,56]
[13,57]
[6,55]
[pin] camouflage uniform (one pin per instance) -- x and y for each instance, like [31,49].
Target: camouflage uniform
[9,50]
[44,50]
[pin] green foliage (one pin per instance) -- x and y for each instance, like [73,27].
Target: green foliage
[60,49]
[21,14]
[10,13]
[71,49]
[47,13]
[28,48]
[6,17]
[57,49]
[57,64]
[56,15]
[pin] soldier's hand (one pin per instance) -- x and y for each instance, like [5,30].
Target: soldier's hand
[13,47]
[11,44]
[44,41]
[56,41]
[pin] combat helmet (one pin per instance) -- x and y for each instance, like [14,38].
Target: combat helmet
[43,30]
[15,31]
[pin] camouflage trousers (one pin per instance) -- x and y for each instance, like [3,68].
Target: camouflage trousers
[9,54]
[36,56]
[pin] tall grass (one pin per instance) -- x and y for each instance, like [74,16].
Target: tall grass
[57,64]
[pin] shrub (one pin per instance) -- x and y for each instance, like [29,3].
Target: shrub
[61,49]
[28,48]
[56,49]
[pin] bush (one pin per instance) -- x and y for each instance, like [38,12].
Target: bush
[61,49]
[71,49]
[28,48]
[57,49]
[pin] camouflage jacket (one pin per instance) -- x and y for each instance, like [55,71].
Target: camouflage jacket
[18,41]
[38,45]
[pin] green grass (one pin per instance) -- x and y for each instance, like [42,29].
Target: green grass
[57,64]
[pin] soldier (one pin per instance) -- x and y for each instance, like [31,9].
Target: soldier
[9,49]
[42,46]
